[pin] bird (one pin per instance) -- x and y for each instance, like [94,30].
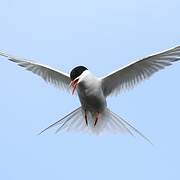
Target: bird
[94,115]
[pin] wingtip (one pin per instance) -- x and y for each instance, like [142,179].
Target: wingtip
[4,54]
[8,56]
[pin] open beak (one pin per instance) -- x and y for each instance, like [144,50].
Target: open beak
[74,85]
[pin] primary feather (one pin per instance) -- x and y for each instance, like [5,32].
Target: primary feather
[136,72]
[50,75]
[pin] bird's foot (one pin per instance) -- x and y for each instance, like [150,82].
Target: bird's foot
[86,118]
[97,118]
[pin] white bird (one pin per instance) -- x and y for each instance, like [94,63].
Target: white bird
[93,115]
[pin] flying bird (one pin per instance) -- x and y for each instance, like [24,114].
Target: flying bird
[93,115]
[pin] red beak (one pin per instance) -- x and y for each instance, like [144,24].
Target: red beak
[74,84]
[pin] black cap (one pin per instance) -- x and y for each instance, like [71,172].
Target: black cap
[77,71]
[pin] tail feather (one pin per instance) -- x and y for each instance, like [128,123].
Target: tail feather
[62,121]
[129,127]
[72,122]
[121,127]
[108,122]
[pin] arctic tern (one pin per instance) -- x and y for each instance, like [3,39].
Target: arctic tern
[94,116]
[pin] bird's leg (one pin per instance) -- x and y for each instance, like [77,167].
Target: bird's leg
[96,119]
[85,116]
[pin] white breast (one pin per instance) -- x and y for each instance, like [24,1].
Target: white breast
[90,93]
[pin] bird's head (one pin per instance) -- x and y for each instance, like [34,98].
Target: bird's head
[76,75]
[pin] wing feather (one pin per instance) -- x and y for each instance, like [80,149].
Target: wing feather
[134,73]
[50,75]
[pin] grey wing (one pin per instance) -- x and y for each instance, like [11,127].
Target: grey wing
[50,75]
[138,71]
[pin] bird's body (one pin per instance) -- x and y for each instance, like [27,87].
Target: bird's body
[93,115]
[91,94]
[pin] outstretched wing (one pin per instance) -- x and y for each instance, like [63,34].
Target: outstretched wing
[53,76]
[136,72]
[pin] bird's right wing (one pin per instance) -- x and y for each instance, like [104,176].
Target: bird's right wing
[53,76]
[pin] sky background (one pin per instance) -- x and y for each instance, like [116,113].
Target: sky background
[102,35]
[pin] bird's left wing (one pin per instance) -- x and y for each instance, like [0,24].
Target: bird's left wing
[53,76]
[138,71]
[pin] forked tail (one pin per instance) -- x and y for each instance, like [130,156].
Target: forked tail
[108,122]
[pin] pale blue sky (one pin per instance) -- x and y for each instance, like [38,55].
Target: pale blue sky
[102,35]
